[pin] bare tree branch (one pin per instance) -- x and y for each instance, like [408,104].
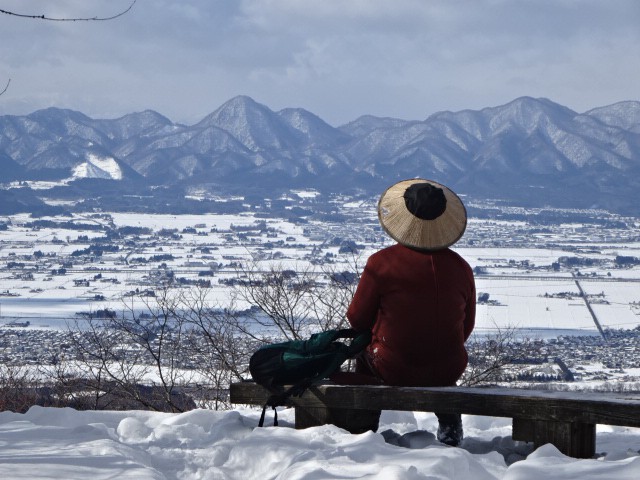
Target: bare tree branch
[6,86]
[498,356]
[80,19]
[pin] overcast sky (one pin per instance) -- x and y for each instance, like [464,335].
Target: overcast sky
[340,59]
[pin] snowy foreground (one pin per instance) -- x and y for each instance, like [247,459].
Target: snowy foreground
[203,444]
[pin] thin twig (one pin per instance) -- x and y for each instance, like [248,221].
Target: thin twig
[54,19]
[6,86]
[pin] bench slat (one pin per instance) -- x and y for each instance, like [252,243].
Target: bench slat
[572,407]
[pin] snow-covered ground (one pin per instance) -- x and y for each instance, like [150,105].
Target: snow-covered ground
[49,443]
[519,279]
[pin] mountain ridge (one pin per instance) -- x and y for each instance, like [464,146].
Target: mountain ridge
[513,151]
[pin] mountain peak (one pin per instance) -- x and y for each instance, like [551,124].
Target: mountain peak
[54,114]
[625,115]
[527,104]
[145,123]
[253,124]
[523,114]
[146,117]
[242,100]
[311,129]
[236,107]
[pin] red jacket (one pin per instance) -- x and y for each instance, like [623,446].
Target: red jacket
[421,309]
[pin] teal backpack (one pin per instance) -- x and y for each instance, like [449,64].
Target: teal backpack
[299,364]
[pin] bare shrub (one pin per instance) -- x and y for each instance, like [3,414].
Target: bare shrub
[495,357]
[171,352]
[219,350]
[294,303]
[18,387]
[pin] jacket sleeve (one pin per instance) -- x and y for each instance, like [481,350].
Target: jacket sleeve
[470,309]
[363,311]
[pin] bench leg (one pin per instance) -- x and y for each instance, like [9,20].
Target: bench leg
[573,439]
[354,421]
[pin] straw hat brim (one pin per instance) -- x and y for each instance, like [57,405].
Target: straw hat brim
[411,231]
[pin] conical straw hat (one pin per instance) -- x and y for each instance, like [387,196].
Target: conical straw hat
[410,230]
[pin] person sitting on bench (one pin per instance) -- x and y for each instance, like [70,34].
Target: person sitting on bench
[417,297]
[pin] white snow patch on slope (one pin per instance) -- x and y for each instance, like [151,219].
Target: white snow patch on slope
[98,167]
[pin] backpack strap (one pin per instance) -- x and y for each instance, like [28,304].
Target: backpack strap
[275,400]
[279,399]
[275,415]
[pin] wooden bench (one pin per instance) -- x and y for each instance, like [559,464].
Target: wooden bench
[565,419]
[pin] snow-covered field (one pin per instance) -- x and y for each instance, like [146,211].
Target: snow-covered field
[523,288]
[48,443]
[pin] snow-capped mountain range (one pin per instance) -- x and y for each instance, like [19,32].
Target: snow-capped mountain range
[530,151]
